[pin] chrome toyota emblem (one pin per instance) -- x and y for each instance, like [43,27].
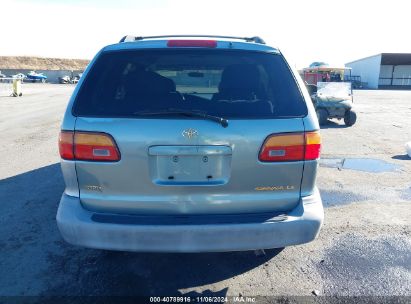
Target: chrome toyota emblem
[190,133]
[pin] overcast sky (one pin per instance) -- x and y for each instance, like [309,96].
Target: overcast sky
[332,31]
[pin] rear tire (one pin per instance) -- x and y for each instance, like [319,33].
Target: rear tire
[350,118]
[322,116]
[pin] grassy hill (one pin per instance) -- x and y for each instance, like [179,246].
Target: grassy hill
[41,63]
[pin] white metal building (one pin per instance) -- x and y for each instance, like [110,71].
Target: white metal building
[383,71]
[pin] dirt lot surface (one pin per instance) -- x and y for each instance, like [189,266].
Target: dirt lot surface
[364,247]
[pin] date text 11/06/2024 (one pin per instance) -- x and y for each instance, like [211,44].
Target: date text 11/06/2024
[202,299]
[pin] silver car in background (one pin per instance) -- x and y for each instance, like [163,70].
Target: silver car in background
[189,144]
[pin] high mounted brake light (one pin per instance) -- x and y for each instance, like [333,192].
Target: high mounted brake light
[192,43]
[291,147]
[88,146]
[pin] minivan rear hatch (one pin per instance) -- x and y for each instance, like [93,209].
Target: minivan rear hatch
[164,110]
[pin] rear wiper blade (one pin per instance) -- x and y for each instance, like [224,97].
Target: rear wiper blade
[222,121]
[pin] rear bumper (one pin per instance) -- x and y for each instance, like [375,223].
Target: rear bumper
[78,227]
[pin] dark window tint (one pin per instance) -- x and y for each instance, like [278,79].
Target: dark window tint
[227,83]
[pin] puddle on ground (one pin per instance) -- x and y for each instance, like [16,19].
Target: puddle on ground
[360,164]
[406,194]
[332,162]
[369,165]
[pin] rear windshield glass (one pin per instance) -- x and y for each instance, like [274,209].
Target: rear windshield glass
[229,84]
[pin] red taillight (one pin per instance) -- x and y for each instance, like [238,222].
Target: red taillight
[291,147]
[66,148]
[312,145]
[283,147]
[95,146]
[91,146]
[192,43]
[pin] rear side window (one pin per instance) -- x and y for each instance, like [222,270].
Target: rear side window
[226,83]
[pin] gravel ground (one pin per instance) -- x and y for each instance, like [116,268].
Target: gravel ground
[364,247]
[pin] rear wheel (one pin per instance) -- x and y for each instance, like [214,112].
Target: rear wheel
[322,116]
[350,118]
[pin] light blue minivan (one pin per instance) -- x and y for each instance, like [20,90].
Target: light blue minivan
[189,144]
